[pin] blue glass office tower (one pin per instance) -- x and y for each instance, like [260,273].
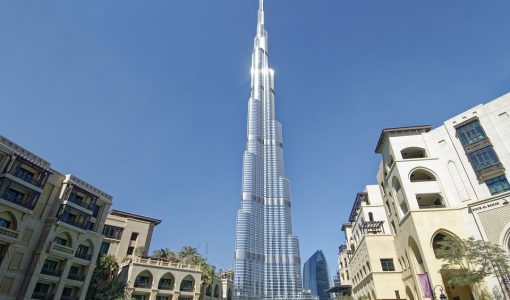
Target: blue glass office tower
[316,276]
[267,262]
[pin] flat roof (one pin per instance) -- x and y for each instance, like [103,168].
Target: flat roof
[134,216]
[385,133]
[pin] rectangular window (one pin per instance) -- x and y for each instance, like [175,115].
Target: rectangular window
[134,236]
[104,248]
[498,185]
[112,232]
[50,265]
[130,250]
[387,264]
[24,174]
[471,133]
[483,158]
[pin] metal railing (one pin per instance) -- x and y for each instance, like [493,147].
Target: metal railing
[51,272]
[21,199]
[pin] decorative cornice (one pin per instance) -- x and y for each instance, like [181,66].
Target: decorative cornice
[16,149]
[87,187]
[387,132]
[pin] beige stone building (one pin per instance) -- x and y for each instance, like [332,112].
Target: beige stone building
[50,228]
[128,237]
[432,183]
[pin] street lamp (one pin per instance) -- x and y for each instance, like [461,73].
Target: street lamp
[442,296]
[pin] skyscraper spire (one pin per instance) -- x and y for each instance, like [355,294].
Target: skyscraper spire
[267,261]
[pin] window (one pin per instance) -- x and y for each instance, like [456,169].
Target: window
[82,250]
[13,195]
[134,236]
[50,265]
[130,250]
[470,133]
[4,223]
[60,241]
[41,289]
[112,232]
[104,248]
[95,210]
[387,264]
[498,185]
[483,158]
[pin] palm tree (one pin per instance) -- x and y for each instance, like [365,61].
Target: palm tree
[189,254]
[104,285]
[167,254]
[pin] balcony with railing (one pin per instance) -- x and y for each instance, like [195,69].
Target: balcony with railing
[8,235]
[83,256]
[51,272]
[81,201]
[430,201]
[42,296]
[24,199]
[74,220]
[61,250]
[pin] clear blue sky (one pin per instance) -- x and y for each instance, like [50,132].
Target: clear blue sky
[147,99]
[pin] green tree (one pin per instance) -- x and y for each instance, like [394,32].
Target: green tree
[468,262]
[103,284]
[166,254]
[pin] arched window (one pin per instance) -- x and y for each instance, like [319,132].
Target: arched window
[144,280]
[187,284]
[217,291]
[7,220]
[421,175]
[371,216]
[63,239]
[413,152]
[167,282]
[436,244]
[85,250]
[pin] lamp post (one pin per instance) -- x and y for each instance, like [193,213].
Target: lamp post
[442,296]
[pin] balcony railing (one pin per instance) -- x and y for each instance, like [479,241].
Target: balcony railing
[9,233]
[80,202]
[432,206]
[76,276]
[61,248]
[33,179]
[27,202]
[164,286]
[51,272]
[84,256]
[72,221]
[143,285]
[42,296]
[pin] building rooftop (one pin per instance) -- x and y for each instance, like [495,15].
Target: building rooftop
[387,132]
[134,216]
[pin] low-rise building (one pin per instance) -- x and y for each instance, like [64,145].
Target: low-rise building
[50,228]
[433,183]
[128,237]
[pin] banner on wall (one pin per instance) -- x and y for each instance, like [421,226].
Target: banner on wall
[425,285]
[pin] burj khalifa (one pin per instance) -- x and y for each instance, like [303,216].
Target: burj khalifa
[267,262]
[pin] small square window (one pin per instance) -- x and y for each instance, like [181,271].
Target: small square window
[470,133]
[498,185]
[134,236]
[387,264]
[130,250]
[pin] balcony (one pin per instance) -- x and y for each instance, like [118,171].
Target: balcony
[42,296]
[61,250]
[76,276]
[51,272]
[71,220]
[8,235]
[81,202]
[165,286]
[143,285]
[63,297]
[36,180]
[25,200]
[84,256]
